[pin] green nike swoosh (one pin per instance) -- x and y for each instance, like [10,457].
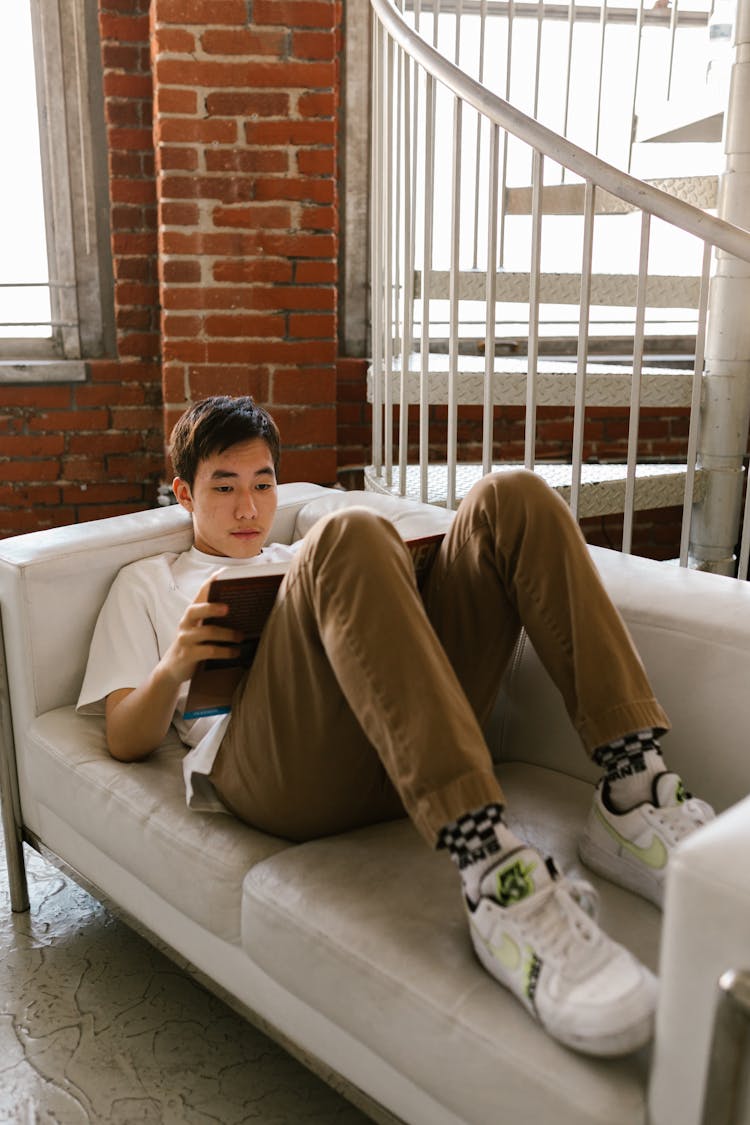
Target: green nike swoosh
[654,856]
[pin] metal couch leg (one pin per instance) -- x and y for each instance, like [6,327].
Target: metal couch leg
[10,805]
[727,1097]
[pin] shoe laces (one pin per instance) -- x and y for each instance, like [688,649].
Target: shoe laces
[562,919]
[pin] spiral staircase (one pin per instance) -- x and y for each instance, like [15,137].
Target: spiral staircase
[545,182]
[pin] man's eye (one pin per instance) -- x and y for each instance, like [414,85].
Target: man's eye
[223,488]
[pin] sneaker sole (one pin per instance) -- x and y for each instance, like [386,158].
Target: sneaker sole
[612,1045]
[620,870]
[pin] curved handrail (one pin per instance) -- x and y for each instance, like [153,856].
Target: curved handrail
[734,240]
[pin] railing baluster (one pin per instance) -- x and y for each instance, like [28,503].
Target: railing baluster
[568,72]
[491,312]
[478,138]
[538,55]
[635,386]
[579,411]
[695,403]
[672,33]
[408,296]
[638,46]
[600,79]
[504,176]
[454,294]
[424,347]
[537,185]
[388,263]
[377,283]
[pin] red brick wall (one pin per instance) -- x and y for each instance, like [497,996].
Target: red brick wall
[245,132]
[235,290]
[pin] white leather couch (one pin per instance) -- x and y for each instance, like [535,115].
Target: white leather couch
[355,952]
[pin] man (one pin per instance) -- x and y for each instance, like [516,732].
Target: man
[366,701]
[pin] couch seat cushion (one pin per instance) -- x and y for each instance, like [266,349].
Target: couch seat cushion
[369,928]
[136,814]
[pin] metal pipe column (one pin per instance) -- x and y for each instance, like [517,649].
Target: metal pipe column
[726,383]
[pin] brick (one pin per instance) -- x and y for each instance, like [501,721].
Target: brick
[245,325]
[290,187]
[124,29]
[180,270]
[232,12]
[319,218]
[246,160]
[175,325]
[262,269]
[132,418]
[317,161]
[317,104]
[19,523]
[290,133]
[29,496]
[294,386]
[132,394]
[231,243]
[248,103]
[262,75]
[99,493]
[170,100]
[132,191]
[180,214]
[315,272]
[172,158]
[136,467]
[187,351]
[313,45]
[28,471]
[300,245]
[255,41]
[238,380]
[255,216]
[290,297]
[32,445]
[267,351]
[135,319]
[139,344]
[306,325]
[315,465]
[129,139]
[116,56]
[136,293]
[100,445]
[185,129]
[130,243]
[173,41]
[127,85]
[38,397]
[295,13]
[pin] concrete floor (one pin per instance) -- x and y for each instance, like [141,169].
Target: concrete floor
[96,1026]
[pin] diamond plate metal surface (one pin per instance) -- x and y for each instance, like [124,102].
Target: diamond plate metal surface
[602,487]
[606,385]
[612,289]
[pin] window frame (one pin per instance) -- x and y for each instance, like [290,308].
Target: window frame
[70,100]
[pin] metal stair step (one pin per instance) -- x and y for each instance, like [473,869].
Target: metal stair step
[613,289]
[606,384]
[568,199]
[602,486]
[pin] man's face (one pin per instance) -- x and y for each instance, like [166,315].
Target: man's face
[233,500]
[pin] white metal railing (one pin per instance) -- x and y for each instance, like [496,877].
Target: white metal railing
[413,82]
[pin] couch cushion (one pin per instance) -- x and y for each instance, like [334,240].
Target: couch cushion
[136,814]
[372,923]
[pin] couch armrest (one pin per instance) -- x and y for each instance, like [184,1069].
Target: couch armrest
[706,931]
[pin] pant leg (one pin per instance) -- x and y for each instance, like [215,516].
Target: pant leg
[351,712]
[514,556]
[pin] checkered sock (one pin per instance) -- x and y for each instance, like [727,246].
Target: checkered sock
[630,764]
[476,841]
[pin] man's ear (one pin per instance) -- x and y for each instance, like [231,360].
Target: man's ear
[183,494]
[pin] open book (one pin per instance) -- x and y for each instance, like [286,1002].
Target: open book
[250,600]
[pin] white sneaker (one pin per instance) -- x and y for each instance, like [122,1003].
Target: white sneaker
[531,931]
[633,848]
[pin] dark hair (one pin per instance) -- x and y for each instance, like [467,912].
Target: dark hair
[213,425]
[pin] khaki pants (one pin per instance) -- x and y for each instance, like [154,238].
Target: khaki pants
[364,702]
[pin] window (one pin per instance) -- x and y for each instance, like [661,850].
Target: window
[56,305]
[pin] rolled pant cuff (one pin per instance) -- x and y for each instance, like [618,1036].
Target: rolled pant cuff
[624,719]
[442,806]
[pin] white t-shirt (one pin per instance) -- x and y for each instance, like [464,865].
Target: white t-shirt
[136,626]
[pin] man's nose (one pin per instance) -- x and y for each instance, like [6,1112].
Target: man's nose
[246,507]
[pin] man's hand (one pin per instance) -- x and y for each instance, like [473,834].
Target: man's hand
[196,640]
[137,719]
